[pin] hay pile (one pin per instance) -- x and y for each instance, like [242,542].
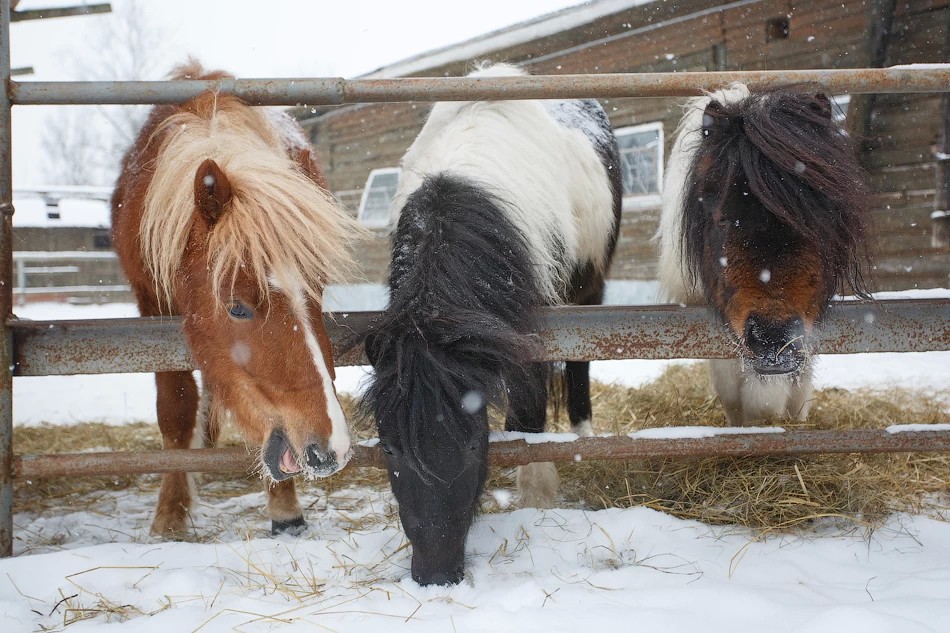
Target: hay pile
[766,493]
[769,493]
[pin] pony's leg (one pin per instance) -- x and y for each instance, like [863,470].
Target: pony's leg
[802,395]
[177,406]
[209,416]
[577,376]
[726,376]
[527,410]
[284,509]
[282,506]
[589,288]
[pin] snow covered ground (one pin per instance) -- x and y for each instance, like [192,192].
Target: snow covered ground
[528,570]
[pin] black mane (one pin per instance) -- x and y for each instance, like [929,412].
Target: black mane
[783,147]
[463,300]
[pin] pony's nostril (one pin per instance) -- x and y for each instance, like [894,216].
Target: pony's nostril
[321,462]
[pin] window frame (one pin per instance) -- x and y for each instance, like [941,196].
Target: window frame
[643,200]
[360,213]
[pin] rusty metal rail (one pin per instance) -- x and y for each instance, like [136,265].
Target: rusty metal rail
[43,348]
[505,453]
[338,91]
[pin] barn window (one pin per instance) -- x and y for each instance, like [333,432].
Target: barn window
[376,201]
[641,158]
[839,108]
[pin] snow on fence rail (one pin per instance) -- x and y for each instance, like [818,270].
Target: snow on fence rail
[75,346]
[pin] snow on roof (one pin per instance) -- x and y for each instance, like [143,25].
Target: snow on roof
[543,26]
[32,211]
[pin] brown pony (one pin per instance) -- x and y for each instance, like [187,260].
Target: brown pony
[764,218]
[220,215]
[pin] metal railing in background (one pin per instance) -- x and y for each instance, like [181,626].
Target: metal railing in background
[40,348]
[50,264]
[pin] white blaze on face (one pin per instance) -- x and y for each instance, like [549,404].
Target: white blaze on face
[340,435]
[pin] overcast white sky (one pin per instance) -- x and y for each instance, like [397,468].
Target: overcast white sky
[270,38]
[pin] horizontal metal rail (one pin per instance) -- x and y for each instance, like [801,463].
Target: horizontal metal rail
[338,91]
[504,453]
[44,348]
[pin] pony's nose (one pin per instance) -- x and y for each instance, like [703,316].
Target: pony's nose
[321,462]
[777,348]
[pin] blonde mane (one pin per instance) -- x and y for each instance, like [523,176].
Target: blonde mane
[279,226]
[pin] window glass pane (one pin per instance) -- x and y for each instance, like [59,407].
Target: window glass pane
[839,108]
[377,201]
[640,157]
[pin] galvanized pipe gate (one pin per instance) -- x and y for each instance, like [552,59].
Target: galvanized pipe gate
[31,348]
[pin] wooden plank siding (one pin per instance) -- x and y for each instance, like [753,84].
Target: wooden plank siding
[704,35]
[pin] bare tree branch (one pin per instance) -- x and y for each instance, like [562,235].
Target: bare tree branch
[125,47]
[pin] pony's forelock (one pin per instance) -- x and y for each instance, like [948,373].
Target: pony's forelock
[796,161]
[278,223]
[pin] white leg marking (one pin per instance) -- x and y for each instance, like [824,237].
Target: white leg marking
[538,484]
[584,428]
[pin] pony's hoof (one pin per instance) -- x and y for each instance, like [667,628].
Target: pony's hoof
[172,526]
[537,485]
[293,527]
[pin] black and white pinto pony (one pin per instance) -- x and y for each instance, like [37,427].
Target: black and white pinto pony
[764,216]
[504,207]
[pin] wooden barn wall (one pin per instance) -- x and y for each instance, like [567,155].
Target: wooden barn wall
[696,35]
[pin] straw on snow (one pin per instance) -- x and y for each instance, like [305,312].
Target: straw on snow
[767,493]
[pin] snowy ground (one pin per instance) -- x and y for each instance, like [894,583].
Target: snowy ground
[528,570]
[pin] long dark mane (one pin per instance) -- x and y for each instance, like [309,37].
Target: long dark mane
[463,299]
[783,147]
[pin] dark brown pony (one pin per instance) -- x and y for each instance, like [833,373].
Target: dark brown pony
[764,218]
[220,215]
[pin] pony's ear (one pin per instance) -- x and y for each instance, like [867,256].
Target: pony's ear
[822,105]
[713,115]
[212,191]
[311,167]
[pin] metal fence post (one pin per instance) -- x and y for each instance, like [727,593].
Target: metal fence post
[6,289]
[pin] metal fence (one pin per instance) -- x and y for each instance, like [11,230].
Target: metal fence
[30,348]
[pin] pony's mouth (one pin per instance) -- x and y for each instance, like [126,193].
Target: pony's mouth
[288,462]
[769,367]
[278,456]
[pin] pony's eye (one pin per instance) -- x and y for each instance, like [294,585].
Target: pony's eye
[240,311]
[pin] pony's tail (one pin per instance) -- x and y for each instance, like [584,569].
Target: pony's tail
[463,305]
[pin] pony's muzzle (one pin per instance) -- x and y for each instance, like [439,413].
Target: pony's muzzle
[439,577]
[776,349]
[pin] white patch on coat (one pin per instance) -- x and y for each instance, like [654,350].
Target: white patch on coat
[584,429]
[748,397]
[550,178]
[538,484]
[339,441]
